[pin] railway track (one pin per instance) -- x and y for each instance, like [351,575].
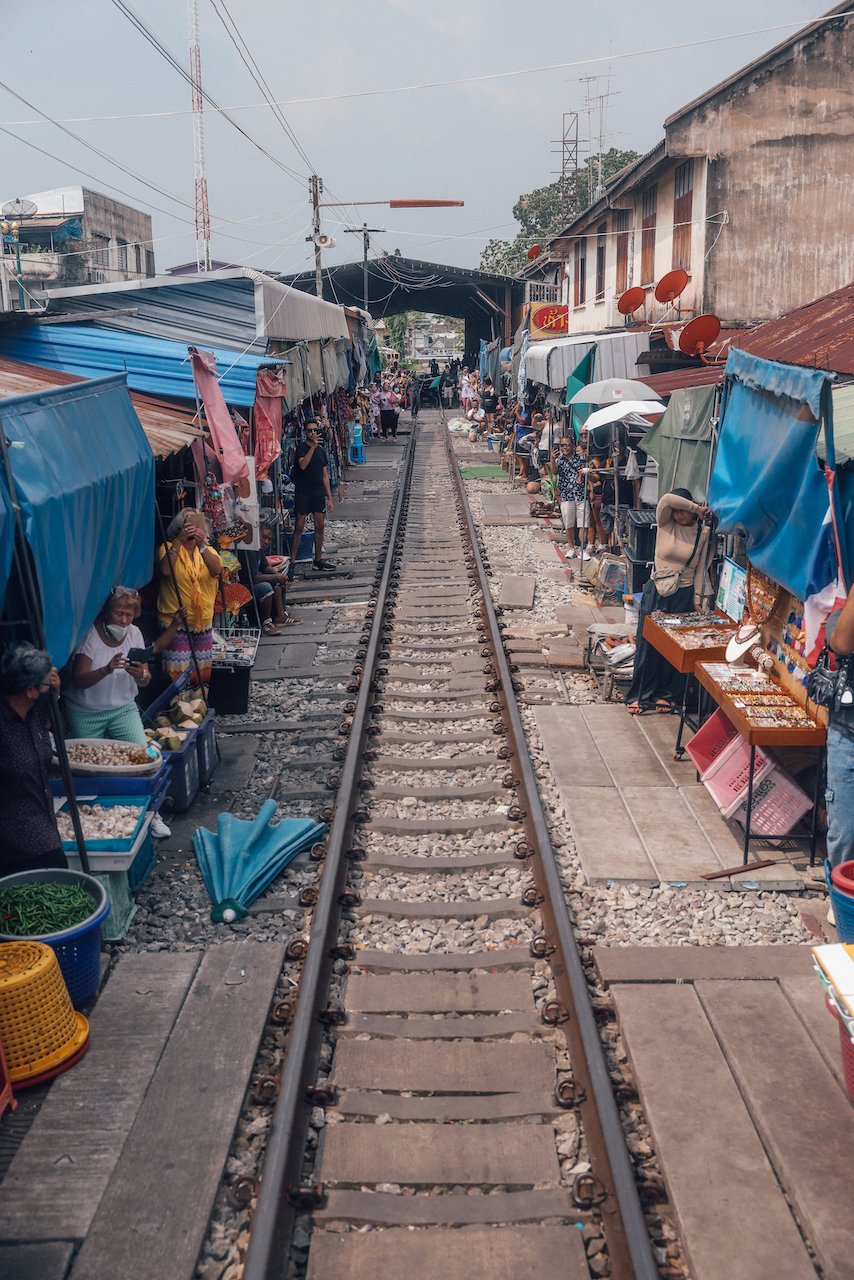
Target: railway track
[445,1106]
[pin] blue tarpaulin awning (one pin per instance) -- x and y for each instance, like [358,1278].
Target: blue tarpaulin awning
[156,366]
[84,475]
[766,484]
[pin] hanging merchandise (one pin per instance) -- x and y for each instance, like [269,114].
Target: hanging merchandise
[231,458]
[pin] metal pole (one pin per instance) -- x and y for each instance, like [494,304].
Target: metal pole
[366,244]
[316,187]
[21,299]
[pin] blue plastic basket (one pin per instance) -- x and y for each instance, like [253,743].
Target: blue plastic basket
[78,950]
[119,844]
[843,908]
[184,778]
[206,744]
[116,784]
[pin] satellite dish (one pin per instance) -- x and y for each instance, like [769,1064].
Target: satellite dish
[698,335]
[670,286]
[19,209]
[628,302]
[535,251]
[323,241]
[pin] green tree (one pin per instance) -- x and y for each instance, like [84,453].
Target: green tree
[397,326]
[539,214]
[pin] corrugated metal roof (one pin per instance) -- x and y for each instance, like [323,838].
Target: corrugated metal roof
[551,363]
[168,425]
[236,308]
[820,334]
[663,384]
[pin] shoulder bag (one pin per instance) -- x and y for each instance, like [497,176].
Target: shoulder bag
[667,580]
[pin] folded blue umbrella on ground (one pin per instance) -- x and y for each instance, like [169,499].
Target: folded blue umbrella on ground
[242,858]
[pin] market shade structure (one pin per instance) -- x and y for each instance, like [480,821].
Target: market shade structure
[610,389]
[616,412]
[84,476]
[681,442]
[243,858]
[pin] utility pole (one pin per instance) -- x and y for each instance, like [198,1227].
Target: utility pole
[365,232]
[316,188]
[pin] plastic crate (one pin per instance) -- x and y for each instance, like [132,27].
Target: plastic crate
[306,546]
[78,949]
[184,780]
[228,691]
[115,785]
[727,779]
[638,572]
[642,532]
[846,1044]
[206,745]
[143,864]
[778,805]
[710,741]
[161,702]
[116,844]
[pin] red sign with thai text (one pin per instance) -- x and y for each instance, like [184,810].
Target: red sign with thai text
[550,318]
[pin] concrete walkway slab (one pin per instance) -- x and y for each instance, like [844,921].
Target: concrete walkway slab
[517,592]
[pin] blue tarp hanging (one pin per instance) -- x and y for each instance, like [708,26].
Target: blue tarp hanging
[84,474]
[156,366]
[766,485]
[7,539]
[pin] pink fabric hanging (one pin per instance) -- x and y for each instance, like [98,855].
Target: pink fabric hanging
[226,445]
[269,390]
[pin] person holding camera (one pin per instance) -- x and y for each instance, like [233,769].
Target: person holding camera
[189,575]
[676,586]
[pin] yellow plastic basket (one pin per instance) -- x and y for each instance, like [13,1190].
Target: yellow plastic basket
[39,1028]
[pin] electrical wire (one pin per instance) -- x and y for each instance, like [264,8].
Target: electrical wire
[157,44]
[233,33]
[464,80]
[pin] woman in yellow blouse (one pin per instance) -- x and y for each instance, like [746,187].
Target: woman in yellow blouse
[187,560]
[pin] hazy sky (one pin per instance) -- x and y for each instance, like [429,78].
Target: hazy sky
[483,142]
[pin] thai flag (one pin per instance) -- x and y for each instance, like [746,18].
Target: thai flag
[825,590]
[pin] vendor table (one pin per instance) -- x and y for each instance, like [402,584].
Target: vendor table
[806,735]
[669,641]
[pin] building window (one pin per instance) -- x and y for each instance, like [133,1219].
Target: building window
[601,241]
[137,253]
[683,200]
[122,254]
[100,251]
[580,277]
[648,212]
[621,224]
[149,262]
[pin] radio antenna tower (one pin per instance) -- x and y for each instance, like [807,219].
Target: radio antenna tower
[200,182]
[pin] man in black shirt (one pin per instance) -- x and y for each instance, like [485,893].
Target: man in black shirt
[312,496]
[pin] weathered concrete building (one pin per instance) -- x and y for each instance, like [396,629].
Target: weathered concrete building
[751,192]
[78,236]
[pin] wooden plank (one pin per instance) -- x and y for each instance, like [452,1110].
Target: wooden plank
[692,964]
[434,993]
[464,909]
[153,1216]
[384,1209]
[425,1154]
[440,740]
[472,1028]
[431,865]
[807,999]
[674,841]
[732,1215]
[630,759]
[440,1108]
[59,1173]
[487,792]
[46,1261]
[454,961]
[461,1067]
[517,591]
[571,750]
[805,1119]
[617,855]
[415,826]
[400,763]
[472,1253]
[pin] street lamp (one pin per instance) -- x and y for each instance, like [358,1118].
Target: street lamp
[316,187]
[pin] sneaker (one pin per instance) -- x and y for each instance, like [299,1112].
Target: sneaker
[571,553]
[831,916]
[591,550]
[324,566]
[159,829]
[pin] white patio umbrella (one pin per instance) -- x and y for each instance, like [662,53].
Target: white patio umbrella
[614,412]
[610,389]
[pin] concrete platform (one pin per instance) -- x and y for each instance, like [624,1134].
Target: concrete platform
[734,1046]
[638,816]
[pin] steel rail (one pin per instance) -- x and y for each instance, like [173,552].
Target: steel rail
[272,1222]
[629,1244]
